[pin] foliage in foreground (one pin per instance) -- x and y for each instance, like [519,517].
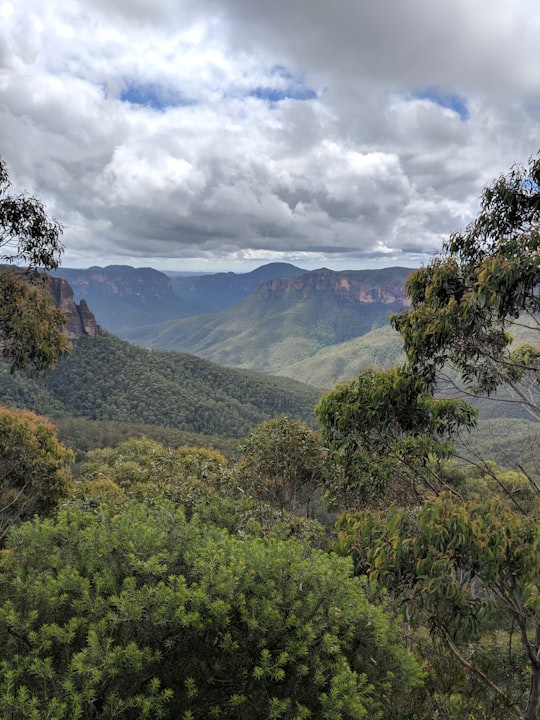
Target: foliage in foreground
[284,463]
[462,570]
[34,467]
[30,325]
[465,302]
[386,432]
[199,481]
[142,614]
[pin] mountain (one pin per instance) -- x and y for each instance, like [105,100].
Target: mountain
[286,321]
[122,296]
[106,378]
[221,290]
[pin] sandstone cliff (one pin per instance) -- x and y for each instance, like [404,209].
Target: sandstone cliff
[80,321]
[349,287]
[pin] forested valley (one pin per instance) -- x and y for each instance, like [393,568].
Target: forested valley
[184,540]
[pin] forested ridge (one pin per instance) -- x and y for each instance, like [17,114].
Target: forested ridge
[106,378]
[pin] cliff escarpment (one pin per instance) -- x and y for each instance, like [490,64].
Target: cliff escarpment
[369,287]
[80,321]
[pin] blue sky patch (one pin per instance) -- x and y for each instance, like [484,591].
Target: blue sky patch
[452,101]
[154,96]
[274,94]
[285,86]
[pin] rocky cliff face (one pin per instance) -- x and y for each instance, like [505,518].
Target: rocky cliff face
[351,287]
[123,297]
[116,281]
[81,322]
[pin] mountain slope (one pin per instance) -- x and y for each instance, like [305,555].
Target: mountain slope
[221,290]
[286,321]
[106,378]
[379,348]
[123,297]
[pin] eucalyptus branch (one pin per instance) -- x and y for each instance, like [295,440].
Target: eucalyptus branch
[515,709]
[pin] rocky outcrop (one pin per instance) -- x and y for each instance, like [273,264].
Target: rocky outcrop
[80,321]
[118,281]
[351,287]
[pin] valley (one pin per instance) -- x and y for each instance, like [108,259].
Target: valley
[278,319]
[269,347]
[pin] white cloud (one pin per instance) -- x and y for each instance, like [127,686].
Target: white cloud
[237,131]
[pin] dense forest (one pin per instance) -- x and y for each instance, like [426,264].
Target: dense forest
[106,378]
[341,561]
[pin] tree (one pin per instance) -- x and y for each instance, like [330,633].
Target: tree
[462,569]
[34,467]
[30,326]
[141,614]
[387,432]
[196,479]
[283,462]
[484,284]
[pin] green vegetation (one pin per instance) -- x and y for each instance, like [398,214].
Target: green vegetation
[388,435]
[83,435]
[285,322]
[141,614]
[485,282]
[105,378]
[466,571]
[30,326]
[34,467]
[380,348]
[464,564]
[163,580]
[283,463]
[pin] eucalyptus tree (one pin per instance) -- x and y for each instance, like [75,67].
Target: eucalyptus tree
[484,286]
[30,325]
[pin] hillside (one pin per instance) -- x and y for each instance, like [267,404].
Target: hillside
[379,348]
[286,321]
[221,290]
[106,378]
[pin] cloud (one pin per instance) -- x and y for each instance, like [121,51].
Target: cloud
[233,132]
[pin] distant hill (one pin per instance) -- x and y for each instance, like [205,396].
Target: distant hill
[221,290]
[122,297]
[106,378]
[286,321]
[379,348]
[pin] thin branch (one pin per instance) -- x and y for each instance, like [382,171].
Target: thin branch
[476,671]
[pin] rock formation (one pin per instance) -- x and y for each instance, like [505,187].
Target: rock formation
[80,321]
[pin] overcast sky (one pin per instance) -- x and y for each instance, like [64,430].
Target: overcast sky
[224,134]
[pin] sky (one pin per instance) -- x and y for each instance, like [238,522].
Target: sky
[212,135]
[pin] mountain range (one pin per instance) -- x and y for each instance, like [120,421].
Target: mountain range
[123,297]
[285,321]
[221,290]
[321,326]
[278,319]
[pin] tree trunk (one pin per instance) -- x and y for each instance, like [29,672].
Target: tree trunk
[533,705]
